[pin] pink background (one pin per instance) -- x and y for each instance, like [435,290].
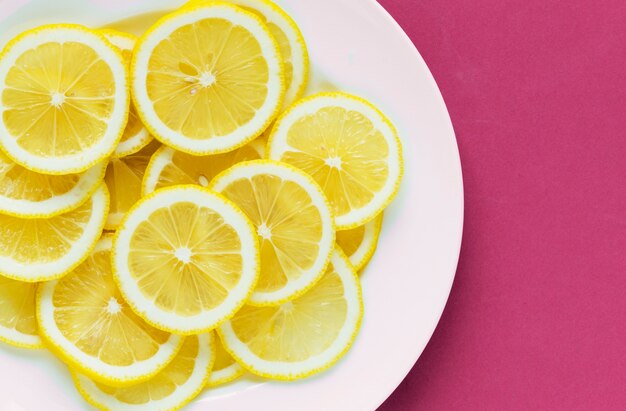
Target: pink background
[537,94]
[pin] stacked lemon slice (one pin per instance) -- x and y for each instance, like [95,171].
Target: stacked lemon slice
[213,226]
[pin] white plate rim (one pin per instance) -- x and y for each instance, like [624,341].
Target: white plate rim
[374,394]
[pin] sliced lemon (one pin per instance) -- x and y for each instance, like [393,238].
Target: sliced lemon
[290,40]
[225,368]
[42,249]
[84,319]
[301,337]
[171,389]
[28,194]
[64,101]
[18,325]
[349,147]
[123,177]
[169,167]
[135,135]
[293,222]
[208,79]
[360,243]
[186,259]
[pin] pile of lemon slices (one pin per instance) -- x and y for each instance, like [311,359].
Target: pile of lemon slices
[173,214]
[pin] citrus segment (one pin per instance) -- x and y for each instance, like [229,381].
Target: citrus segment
[290,41]
[135,135]
[28,194]
[293,223]
[360,243]
[348,146]
[207,79]
[186,259]
[64,102]
[225,368]
[43,249]
[123,177]
[171,389]
[169,167]
[301,337]
[84,318]
[18,325]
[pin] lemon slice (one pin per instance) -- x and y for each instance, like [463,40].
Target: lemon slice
[123,177]
[171,389]
[349,147]
[225,368]
[64,101]
[169,167]
[360,243]
[290,40]
[301,337]
[186,259]
[207,80]
[42,249]
[28,194]
[18,325]
[84,319]
[135,135]
[293,222]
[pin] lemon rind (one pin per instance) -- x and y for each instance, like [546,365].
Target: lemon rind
[142,138]
[299,52]
[16,339]
[113,221]
[94,396]
[164,157]
[115,217]
[149,311]
[31,273]
[84,160]
[364,253]
[193,146]
[277,145]
[294,370]
[61,347]
[159,160]
[226,375]
[77,196]
[318,198]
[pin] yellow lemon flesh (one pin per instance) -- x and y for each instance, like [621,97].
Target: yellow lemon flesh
[18,325]
[303,336]
[360,243]
[85,319]
[186,259]
[135,135]
[208,79]
[169,167]
[40,249]
[172,388]
[123,178]
[293,223]
[65,99]
[25,193]
[225,368]
[349,147]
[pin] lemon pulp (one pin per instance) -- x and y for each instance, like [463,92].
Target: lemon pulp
[207,78]
[345,153]
[90,312]
[17,312]
[185,258]
[184,168]
[289,226]
[57,99]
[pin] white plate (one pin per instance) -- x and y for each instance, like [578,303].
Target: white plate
[357,47]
